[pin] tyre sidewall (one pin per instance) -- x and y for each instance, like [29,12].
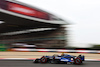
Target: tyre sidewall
[77,61]
[43,59]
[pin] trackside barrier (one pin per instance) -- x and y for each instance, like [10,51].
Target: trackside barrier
[55,50]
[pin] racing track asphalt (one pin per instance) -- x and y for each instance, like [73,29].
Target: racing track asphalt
[28,63]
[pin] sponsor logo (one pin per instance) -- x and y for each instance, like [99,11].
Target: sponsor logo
[57,57]
[64,59]
[22,9]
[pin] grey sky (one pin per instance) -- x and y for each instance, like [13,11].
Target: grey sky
[82,14]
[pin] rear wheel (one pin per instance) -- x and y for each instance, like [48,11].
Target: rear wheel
[77,61]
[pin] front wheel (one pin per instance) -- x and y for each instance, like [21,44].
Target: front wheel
[43,59]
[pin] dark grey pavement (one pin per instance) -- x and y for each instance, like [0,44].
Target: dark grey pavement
[13,63]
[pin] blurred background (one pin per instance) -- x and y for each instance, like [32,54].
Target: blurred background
[49,24]
[83,17]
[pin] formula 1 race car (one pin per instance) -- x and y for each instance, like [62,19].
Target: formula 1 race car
[64,58]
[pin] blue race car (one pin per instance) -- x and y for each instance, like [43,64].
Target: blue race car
[64,58]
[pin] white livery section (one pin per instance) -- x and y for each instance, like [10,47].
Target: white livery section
[64,59]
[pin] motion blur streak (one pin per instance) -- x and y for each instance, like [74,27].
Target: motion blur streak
[13,63]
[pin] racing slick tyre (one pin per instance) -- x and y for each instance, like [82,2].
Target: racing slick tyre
[36,61]
[77,61]
[43,59]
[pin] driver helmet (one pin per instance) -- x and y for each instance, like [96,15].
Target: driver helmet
[62,54]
